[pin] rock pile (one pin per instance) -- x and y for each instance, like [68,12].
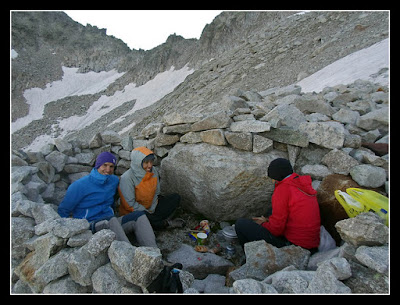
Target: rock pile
[217,162]
[57,255]
[219,166]
[67,258]
[44,176]
[222,157]
[360,265]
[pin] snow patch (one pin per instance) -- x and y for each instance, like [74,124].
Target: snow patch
[39,142]
[14,54]
[358,65]
[298,14]
[72,83]
[145,95]
[127,128]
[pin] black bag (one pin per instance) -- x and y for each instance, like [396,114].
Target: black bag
[168,280]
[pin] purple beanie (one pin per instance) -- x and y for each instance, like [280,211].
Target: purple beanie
[104,157]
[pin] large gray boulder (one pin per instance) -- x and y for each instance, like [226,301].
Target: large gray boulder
[250,286]
[328,275]
[219,182]
[326,134]
[147,265]
[263,259]
[83,262]
[366,229]
[368,175]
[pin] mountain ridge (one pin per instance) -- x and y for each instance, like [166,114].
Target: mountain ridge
[247,50]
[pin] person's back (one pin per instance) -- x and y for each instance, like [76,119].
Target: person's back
[295,211]
[295,215]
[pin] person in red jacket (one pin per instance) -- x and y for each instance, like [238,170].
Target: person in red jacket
[295,217]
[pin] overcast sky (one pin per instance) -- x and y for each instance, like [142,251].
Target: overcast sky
[146,29]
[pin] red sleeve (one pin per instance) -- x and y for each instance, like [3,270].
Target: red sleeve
[280,210]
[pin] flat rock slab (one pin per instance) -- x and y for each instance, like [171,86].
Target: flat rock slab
[199,264]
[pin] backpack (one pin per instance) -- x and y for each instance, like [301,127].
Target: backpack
[168,280]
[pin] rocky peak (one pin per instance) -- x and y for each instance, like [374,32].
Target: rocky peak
[47,41]
[230,28]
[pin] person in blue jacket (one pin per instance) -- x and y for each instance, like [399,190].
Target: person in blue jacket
[92,198]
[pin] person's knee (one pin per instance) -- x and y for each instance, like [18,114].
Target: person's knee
[176,198]
[113,221]
[240,223]
[100,225]
[241,226]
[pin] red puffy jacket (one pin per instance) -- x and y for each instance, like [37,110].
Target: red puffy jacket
[295,212]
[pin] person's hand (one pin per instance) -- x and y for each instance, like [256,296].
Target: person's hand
[260,220]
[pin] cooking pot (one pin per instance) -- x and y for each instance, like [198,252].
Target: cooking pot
[229,234]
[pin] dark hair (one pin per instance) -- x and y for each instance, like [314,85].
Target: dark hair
[150,157]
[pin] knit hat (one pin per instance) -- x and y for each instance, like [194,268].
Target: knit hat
[104,157]
[279,169]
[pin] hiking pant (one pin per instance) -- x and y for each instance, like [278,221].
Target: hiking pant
[247,230]
[141,227]
[136,222]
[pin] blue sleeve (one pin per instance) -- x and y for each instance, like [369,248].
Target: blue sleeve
[71,200]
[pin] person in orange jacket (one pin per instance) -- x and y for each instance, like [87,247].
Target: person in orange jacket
[139,190]
[295,215]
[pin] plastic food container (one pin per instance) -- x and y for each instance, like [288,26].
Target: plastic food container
[201,238]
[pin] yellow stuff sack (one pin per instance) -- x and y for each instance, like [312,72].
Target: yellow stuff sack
[357,200]
[373,201]
[350,205]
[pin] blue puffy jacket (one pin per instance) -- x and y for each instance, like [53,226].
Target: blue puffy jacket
[90,197]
